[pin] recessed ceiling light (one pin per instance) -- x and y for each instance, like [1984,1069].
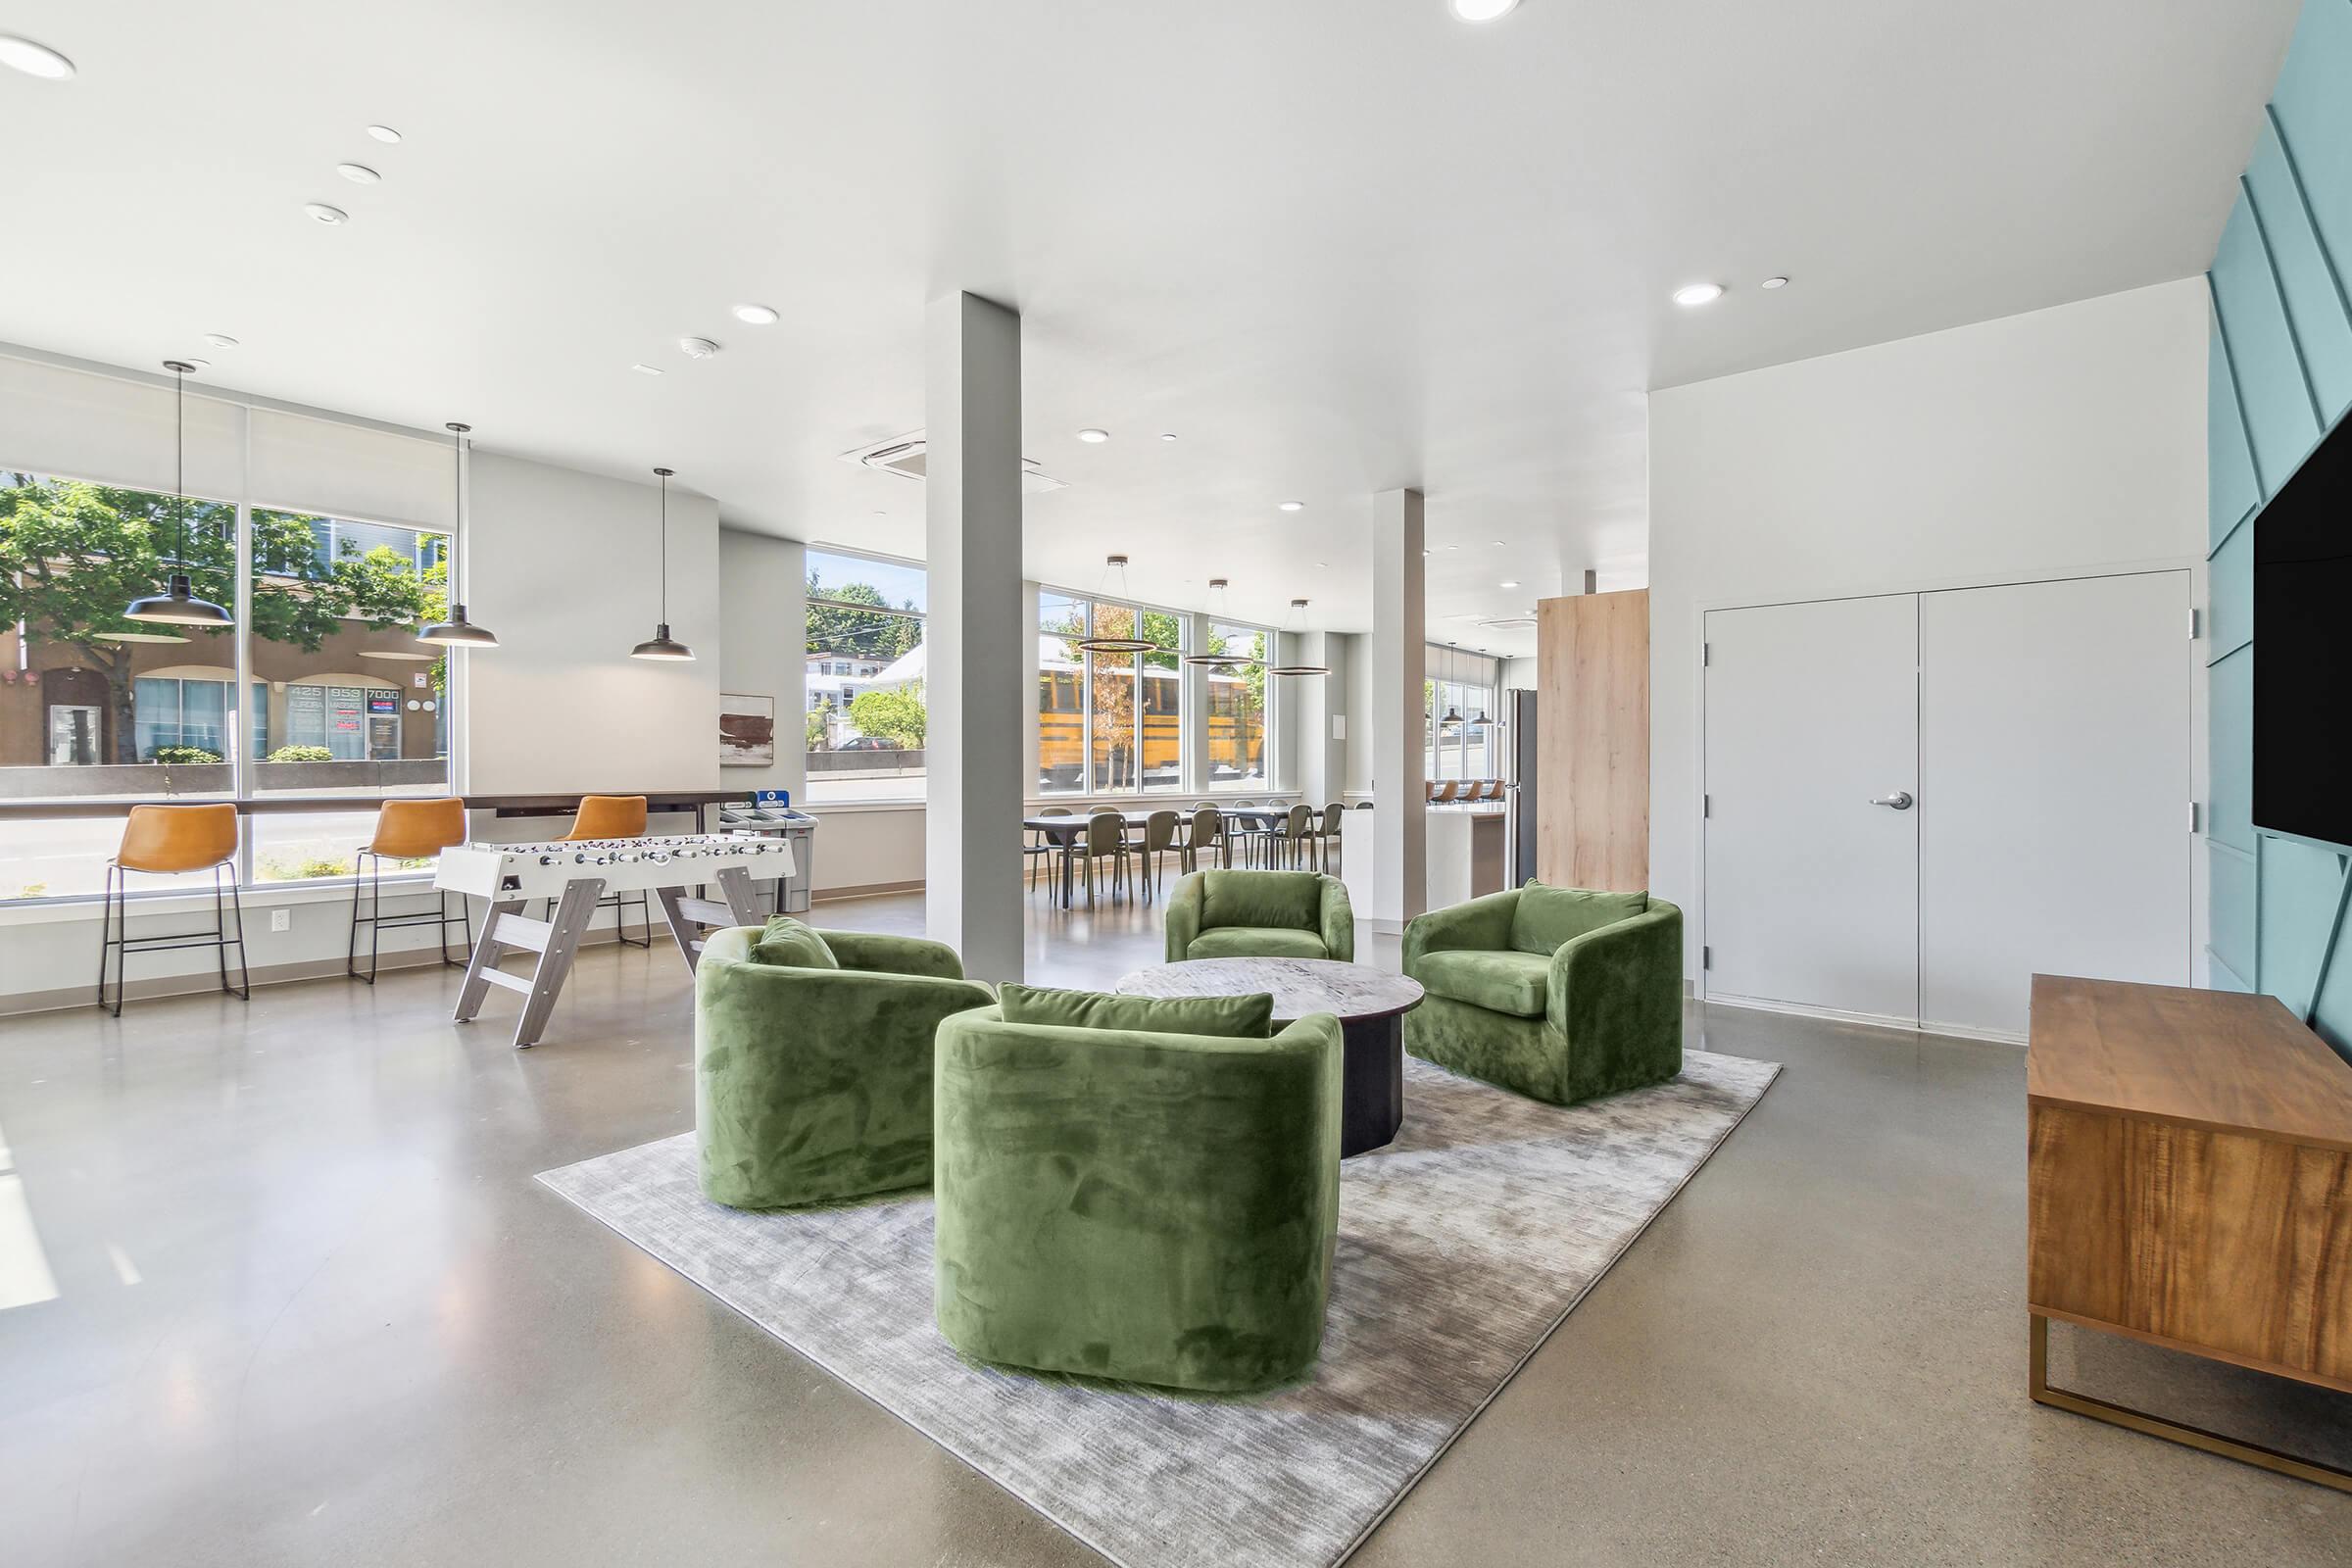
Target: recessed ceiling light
[220,340]
[325,214]
[383,133]
[1508,585]
[1483,10]
[646,370]
[199,363]
[1290,506]
[697,348]
[359,173]
[35,58]
[1774,282]
[757,315]
[1169,435]
[1498,541]
[1093,437]
[1698,294]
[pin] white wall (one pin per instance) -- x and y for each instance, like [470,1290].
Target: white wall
[2030,446]
[1519,674]
[565,568]
[1358,760]
[764,610]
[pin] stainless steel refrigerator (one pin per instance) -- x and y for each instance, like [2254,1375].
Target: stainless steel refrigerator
[1519,785]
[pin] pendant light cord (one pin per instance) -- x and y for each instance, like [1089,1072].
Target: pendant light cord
[179,467]
[457,510]
[666,549]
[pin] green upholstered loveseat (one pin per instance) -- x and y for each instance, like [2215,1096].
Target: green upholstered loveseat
[1154,1207]
[1261,914]
[813,1082]
[1558,993]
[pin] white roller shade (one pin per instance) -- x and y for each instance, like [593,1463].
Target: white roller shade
[302,463]
[79,425]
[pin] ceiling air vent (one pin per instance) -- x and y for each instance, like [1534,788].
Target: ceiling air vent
[907,457]
[1508,623]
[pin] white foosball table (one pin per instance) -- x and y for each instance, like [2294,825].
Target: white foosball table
[575,874]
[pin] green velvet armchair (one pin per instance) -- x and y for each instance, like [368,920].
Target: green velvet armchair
[1261,914]
[1147,1206]
[812,1068]
[1558,993]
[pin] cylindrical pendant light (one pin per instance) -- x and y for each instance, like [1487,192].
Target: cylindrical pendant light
[178,605]
[1216,611]
[662,645]
[1297,614]
[457,631]
[1115,645]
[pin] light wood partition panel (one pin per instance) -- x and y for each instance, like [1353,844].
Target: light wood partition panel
[1592,767]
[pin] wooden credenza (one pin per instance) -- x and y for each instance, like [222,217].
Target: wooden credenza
[2190,1183]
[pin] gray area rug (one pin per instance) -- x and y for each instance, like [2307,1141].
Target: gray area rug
[1461,1246]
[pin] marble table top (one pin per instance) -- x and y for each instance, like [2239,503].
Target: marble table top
[1299,986]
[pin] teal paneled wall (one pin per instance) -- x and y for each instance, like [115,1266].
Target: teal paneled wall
[2281,374]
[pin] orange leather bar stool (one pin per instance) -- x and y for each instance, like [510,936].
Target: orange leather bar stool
[170,841]
[407,830]
[613,817]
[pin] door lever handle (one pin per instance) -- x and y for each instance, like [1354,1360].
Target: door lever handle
[1900,800]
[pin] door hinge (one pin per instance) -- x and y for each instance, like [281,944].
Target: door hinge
[1706,806]
[2196,622]
[1706,654]
[1707,958]
[2194,816]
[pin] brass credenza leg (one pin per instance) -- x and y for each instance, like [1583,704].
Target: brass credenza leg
[2155,1426]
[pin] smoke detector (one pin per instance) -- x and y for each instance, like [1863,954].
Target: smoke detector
[909,456]
[697,348]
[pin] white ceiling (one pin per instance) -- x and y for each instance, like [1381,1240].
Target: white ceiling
[1334,245]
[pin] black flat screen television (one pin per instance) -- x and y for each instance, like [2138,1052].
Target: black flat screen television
[2303,649]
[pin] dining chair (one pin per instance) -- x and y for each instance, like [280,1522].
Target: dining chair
[1040,846]
[1334,815]
[407,830]
[1208,833]
[612,817]
[1451,790]
[1106,839]
[167,841]
[1293,840]
[1160,838]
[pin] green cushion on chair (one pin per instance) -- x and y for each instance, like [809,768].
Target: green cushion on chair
[1549,917]
[1515,983]
[1219,1017]
[791,942]
[1288,900]
[1256,942]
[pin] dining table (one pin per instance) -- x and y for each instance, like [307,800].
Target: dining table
[1066,831]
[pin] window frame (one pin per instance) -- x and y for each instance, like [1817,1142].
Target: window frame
[837,665]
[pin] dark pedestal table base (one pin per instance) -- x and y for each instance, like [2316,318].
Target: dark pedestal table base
[1372,1086]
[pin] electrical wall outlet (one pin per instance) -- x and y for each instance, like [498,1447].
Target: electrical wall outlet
[281,920]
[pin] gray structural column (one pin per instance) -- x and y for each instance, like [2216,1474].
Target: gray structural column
[973,742]
[1398,648]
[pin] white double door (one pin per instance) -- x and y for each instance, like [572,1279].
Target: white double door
[1916,802]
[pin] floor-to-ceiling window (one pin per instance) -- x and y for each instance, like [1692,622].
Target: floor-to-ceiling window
[95,705]
[1458,701]
[1115,722]
[1238,708]
[862,707]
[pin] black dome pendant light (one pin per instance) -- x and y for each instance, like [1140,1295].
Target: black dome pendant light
[457,631]
[178,605]
[663,645]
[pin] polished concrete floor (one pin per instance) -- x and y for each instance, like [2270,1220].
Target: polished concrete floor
[310,1308]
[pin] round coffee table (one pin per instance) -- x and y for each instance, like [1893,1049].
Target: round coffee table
[1371,1006]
